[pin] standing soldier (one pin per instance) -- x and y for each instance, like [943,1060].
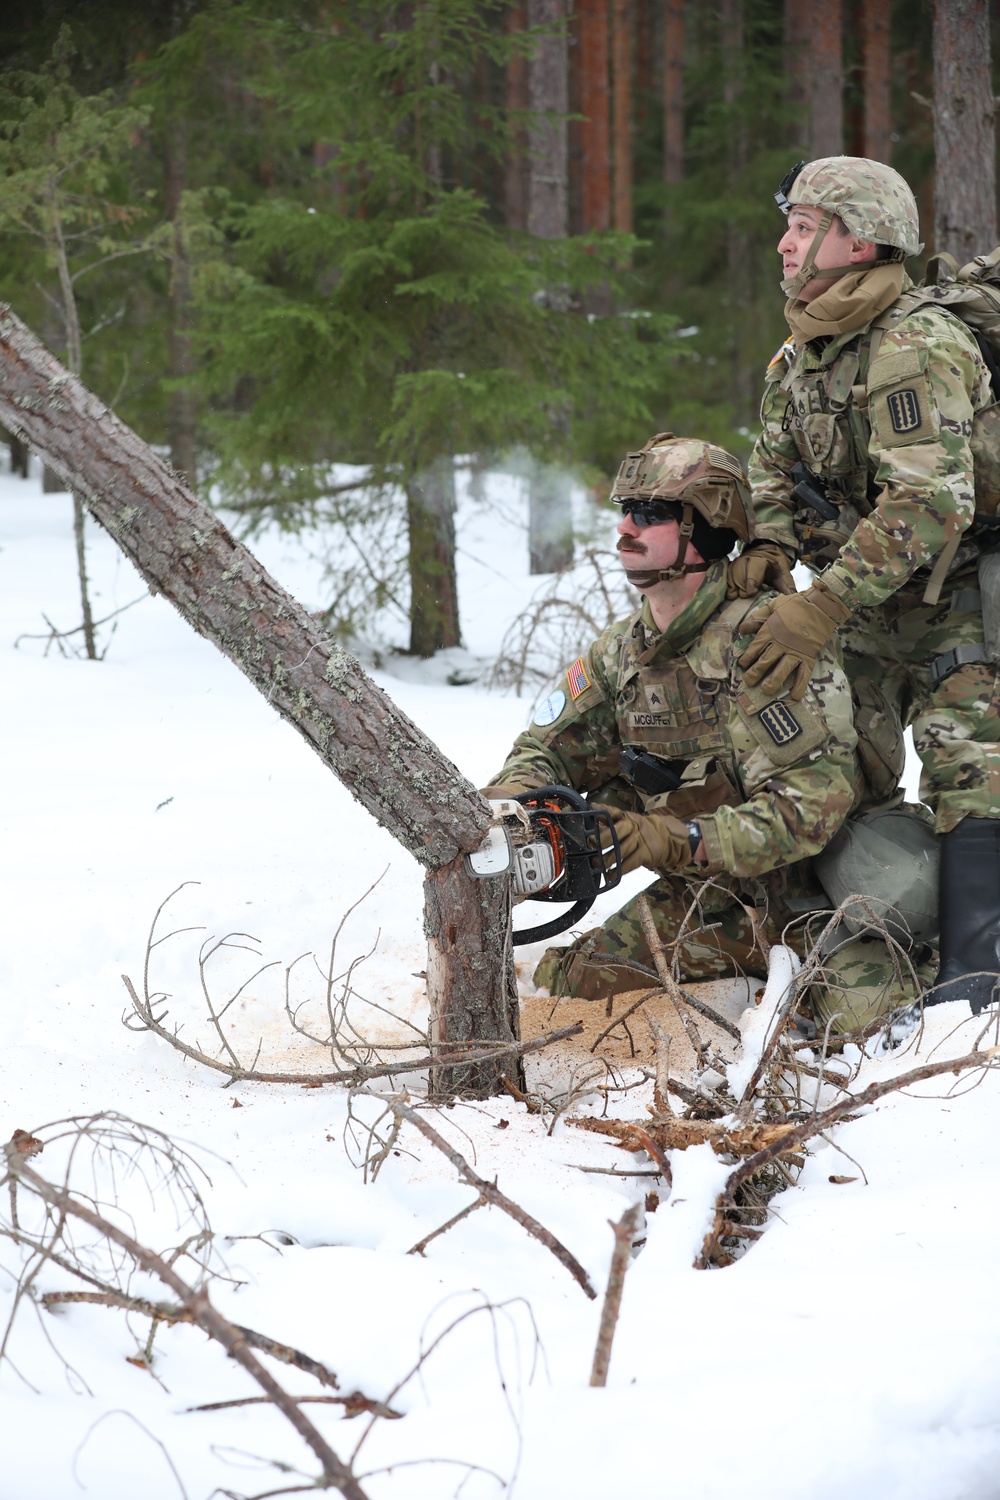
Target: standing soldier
[728,795]
[864,469]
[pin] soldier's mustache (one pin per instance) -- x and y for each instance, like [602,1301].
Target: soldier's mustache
[630,544]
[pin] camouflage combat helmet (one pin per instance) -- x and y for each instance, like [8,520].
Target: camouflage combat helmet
[872,200]
[707,486]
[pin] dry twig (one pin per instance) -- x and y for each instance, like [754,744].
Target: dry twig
[624,1232]
[490,1193]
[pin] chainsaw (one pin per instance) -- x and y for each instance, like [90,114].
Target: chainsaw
[555,848]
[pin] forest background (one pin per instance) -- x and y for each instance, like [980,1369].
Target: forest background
[323,254]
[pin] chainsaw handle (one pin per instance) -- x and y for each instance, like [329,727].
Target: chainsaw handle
[537,798]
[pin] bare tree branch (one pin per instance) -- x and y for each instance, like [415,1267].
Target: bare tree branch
[492,1194]
[196,1301]
[624,1232]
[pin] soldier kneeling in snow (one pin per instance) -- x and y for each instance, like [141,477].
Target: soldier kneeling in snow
[730,793]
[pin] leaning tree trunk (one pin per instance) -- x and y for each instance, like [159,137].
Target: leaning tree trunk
[965,222]
[184,552]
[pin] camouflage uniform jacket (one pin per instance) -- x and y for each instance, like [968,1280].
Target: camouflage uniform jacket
[769,781]
[889,437]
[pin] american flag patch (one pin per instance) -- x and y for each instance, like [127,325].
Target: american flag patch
[576,676]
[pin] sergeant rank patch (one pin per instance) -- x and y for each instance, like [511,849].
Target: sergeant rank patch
[780,723]
[904,410]
[576,676]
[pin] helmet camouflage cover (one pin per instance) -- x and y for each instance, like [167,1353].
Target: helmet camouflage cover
[692,472]
[873,200]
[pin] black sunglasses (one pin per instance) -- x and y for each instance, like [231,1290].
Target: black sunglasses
[652,512]
[785,187]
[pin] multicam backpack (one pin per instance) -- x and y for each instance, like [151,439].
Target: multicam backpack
[971,293]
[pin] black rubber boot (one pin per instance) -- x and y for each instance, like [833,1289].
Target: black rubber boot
[970,915]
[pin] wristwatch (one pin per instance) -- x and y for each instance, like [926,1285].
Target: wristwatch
[694,836]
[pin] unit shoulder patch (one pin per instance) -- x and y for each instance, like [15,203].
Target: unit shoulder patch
[786,732]
[905,414]
[780,723]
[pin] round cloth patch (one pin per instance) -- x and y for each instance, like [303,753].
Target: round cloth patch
[549,711]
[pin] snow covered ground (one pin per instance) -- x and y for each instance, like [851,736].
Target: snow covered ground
[854,1351]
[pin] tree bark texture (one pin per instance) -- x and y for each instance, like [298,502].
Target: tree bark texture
[877,67]
[184,552]
[550,520]
[548,86]
[621,73]
[515,180]
[592,22]
[477,981]
[797,57]
[827,79]
[964,130]
[18,455]
[744,374]
[673,91]
[646,58]
[430,505]
[550,525]
[181,417]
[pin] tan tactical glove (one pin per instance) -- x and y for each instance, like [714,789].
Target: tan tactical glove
[506,789]
[656,841]
[762,565]
[791,632]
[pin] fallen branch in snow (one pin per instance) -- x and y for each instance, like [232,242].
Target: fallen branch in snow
[470,1052]
[820,1120]
[624,1232]
[63,1207]
[489,1193]
[351,1407]
[171,1313]
[673,1134]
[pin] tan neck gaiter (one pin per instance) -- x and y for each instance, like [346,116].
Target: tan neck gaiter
[853,301]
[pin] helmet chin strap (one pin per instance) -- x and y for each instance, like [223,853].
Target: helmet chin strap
[645,578]
[794,285]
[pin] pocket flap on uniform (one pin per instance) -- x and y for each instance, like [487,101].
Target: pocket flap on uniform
[889,369]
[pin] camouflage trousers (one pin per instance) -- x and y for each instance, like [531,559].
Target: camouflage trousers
[706,929]
[956,721]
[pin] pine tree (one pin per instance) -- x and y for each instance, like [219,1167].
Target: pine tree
[62,156]
[400,325]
